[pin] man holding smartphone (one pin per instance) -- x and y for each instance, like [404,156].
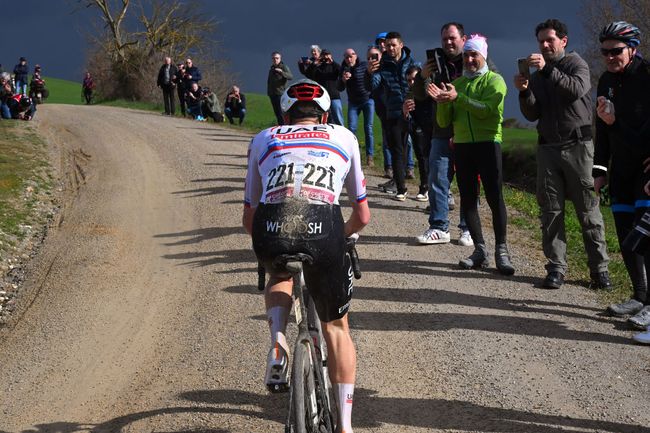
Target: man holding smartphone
[389,76]
[557,96]
[441,162]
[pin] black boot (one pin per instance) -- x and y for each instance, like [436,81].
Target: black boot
[478,259]
[502,260]
[600,281]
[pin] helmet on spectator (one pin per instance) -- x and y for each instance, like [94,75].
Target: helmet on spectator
[621,31]
[305,91]
[25,102]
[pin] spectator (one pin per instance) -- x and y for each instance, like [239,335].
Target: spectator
[623,145]
[419,118]
[21,107]
[473,104]
[389,75]
[305,63]
[235,105]
[21,72]
[380,110]
[181,90]
[557,96]
[325,71]
[441,162]
[210,106]
[88,87]
[5,93]
[37,90]
[193,100]
[359,100]
[191,74]
[166,83]
[279,75]
[380,41]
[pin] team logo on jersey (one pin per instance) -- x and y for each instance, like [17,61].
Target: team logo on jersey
[318,154]
[294,225]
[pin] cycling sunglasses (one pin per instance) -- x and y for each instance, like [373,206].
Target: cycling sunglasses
[612,51]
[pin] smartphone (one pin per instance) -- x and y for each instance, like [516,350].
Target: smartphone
[374,57]
[442,75]
[431,54]
[524,70]
[304,59]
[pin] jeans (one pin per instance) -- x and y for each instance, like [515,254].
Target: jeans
[336,112]
[241,114]
[368,109]
[277,110]
[194,110]
[21,87]
[5,112]
[441,174]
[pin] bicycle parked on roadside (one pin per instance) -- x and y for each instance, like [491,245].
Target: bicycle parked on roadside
[310,391]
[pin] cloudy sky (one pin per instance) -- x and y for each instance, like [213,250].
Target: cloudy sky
[49,33]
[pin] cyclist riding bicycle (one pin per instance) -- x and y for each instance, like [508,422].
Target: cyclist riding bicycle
[295,176]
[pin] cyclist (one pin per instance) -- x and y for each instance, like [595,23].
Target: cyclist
[622,144]
[294,180]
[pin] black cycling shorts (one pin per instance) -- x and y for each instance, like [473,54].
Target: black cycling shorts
[299,227]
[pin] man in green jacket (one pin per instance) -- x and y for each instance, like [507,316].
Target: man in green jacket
[473,104]
[279,75]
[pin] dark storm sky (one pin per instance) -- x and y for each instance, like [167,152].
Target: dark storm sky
[50,34]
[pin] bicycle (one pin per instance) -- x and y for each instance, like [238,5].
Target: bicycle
[310,403]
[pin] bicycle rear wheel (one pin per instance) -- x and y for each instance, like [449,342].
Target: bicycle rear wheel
[306,413]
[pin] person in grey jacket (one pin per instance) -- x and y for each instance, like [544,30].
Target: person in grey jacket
[557,96]
[279,75]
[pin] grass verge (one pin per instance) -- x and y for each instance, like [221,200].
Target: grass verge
[25,177]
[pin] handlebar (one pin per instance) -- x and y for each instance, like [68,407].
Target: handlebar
[350,246]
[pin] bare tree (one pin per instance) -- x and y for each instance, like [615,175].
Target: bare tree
[156,28]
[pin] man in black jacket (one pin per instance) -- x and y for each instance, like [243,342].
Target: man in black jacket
[359,100]
[279,75]
[21,72]
[325,71]
[166,76]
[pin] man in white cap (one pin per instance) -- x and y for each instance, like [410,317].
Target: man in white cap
[473,104]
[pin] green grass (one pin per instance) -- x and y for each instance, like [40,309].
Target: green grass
[63,91]
[24,178]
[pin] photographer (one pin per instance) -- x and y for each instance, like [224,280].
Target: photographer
[21,107]
[622,145]
[191,74]
[306,63]
[193,99]
[359,100]
[210,106]
[235,105]
[5,94]
[556,95]
[325,71]
[177,79]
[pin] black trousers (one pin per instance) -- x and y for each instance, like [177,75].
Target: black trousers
[181,98]
[275,102]
[484,159]
[395,129]
[168,98]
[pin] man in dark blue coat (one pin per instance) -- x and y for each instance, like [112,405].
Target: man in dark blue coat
[389,75]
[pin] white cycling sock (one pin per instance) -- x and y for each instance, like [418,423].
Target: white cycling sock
[345,393]
[277,318]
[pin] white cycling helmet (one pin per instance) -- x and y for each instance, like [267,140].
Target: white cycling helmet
[307,91]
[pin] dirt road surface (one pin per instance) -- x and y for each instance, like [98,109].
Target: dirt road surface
[140,312]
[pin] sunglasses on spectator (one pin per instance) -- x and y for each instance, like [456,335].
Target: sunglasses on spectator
[612,52]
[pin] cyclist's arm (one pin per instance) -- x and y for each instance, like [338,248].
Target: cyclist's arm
[359,219]
[355,184]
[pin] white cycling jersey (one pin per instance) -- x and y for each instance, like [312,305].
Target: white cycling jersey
[308,161]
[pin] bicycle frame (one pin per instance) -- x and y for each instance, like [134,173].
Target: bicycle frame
[311,335]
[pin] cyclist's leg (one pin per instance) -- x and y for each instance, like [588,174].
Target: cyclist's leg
[342,363]
[277,298]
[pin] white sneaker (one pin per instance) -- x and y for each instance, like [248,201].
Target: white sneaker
[401,196]
[643,338]
[433,236]
[465,239]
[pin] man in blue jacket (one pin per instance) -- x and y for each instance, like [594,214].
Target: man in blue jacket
[389,75]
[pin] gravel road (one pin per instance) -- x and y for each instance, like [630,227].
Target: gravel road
[140,311]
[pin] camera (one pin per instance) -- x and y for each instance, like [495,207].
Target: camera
[638,239]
